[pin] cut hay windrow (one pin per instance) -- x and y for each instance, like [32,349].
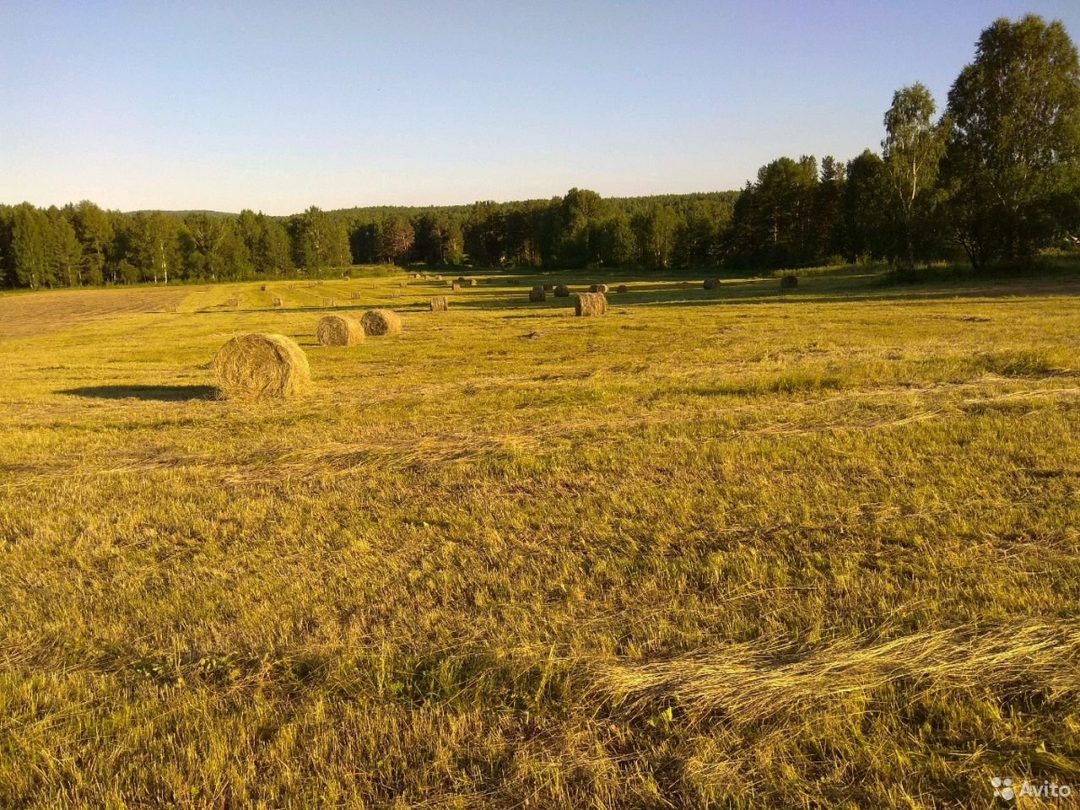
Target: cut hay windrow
[562,291]
[755,682]
[440,303]
[537,293]
[339,330]
[588,304]
[261,366]
[381,322]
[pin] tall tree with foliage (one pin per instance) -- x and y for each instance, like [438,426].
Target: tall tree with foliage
[1012,164]
[912,149]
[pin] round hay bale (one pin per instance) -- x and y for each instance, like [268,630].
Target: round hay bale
[622,288]
[355,295]
[233,302]
[461,280]
[548,287]
[712,283]
[381,322]
[562,291]
[473,282]
[454,285]
[329,302]
[257,366]
[598,288]
[338,330]
[440,303]
[588,304]
[278,302]
[789,281]
[437,277]
[262,288]
[537,293]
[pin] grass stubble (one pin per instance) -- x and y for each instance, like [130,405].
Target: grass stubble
[733,548]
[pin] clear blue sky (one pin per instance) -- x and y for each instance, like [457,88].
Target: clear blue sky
[277,106]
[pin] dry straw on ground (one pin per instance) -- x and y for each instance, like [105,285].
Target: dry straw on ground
[258,366]
[381,322]
[562,291]
[598,288]
[712,283]
[440,303]
[339,330]
[787,282]
[537,293]
[586,304]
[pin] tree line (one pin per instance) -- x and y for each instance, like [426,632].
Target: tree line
[995,178]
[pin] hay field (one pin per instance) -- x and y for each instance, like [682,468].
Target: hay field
[727,548]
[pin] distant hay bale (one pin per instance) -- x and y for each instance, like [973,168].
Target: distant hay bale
[262,288]
[789,281]
[257,366]
[339,330]
[437,277]
[233,302]
[587,304]
[278,302]
[461,280]
[414,275]
[329,302]
[562,291]
[454,285]
[537,293]
[381,322]
[473,282]
[712,283]
[440,303]
[622,288]
[355,295]
[598,288]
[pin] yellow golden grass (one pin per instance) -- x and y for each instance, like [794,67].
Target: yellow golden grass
[261,366]
[339,330]
[756,550]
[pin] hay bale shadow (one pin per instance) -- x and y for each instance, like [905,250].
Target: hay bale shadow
[148,393]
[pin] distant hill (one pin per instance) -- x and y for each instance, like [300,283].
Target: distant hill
[181,213]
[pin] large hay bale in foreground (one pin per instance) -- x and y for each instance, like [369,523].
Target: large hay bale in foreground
[562,291]
[537,293]
[712,283]
[440,303]
[257,366]
[787,282]
[598,288]
[381,322]
[586,304]
[339,330]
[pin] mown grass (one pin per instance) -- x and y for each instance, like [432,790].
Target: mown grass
[716,549]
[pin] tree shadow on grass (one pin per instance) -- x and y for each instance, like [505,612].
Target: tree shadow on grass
[149,393]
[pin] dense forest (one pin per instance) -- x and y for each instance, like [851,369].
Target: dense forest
[995,178]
